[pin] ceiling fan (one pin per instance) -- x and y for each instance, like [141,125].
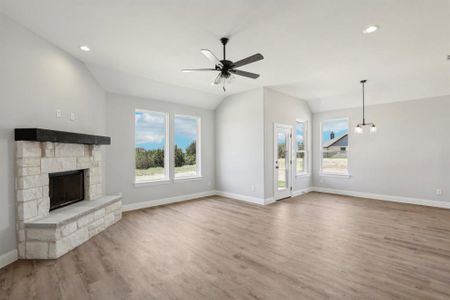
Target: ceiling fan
[227,68]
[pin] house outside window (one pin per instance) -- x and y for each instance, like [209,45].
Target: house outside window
[334,147]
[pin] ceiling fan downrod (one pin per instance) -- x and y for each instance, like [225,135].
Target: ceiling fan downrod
[224,41]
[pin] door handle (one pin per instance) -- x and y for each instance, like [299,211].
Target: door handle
[276,167]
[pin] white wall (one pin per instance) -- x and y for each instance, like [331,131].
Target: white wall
[240,144]
[120,161]
[37,78]
[282,109]
[408,156]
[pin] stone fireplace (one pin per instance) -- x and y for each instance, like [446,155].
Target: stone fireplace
[59,192]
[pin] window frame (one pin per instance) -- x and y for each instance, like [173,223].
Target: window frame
[306,169]
[166,178]
[334,174]
[198,144]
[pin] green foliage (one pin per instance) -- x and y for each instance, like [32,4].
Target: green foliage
[149,158]
[190,150]
[179,157]
[281,151]
[146,159]
[191,154]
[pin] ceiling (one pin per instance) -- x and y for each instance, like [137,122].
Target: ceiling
[314,50]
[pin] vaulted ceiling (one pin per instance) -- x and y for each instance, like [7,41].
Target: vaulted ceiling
[314,50]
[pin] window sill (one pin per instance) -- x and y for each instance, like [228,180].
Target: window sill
[150,183]
[181,179]
[188,178]
[336,175]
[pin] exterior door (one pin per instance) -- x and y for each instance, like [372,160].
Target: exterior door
[282,161]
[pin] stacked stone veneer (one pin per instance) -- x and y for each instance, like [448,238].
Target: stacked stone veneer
[34,162]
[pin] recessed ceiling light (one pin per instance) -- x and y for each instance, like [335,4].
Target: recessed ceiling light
[371,28]
[85,48]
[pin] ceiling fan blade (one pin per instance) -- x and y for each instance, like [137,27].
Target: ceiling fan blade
[248,60]
[198,70]
[209,55]
[218,79]
[245,74]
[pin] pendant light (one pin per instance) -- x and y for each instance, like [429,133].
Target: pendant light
[360,127]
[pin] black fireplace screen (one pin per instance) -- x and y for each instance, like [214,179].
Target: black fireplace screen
[66,188]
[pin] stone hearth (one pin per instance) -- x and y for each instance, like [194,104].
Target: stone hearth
[42,234]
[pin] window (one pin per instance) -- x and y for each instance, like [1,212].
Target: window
[151,146]
[301,150]
[334,147]
[187,146]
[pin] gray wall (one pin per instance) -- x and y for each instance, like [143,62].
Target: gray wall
[282,109]
[240,144]
[120,160]
[408,156]
[37,78]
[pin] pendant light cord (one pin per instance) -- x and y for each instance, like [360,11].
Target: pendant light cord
[359,127]
[364,116]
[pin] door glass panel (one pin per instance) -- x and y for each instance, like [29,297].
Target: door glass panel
[300,162]
[281,160]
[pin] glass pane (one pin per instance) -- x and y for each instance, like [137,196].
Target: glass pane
[335,162]
[150,142]
[281,160]
[186,131]
[300,162]
[300,141]
[335,146]
[300,136]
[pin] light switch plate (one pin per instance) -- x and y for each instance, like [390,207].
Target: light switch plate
[72,116]
[58,113]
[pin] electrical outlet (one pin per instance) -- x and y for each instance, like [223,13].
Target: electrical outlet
[253,188]
[72,116]
[58,113]
[439,192]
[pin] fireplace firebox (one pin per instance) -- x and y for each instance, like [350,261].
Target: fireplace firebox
[66,188]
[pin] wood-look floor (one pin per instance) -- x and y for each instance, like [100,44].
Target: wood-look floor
[316,246]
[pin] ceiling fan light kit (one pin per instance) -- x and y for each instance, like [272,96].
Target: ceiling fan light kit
[226,68]
[359,128]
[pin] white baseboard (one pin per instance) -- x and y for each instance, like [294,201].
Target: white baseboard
[245,198]
[302,191]
[399,199]
[164,201]
[269,200]
[266,201]
[151,203]
[8,257]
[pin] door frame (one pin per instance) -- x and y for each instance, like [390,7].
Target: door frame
[275,157]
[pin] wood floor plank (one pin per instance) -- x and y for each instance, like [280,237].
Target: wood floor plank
[315,246]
